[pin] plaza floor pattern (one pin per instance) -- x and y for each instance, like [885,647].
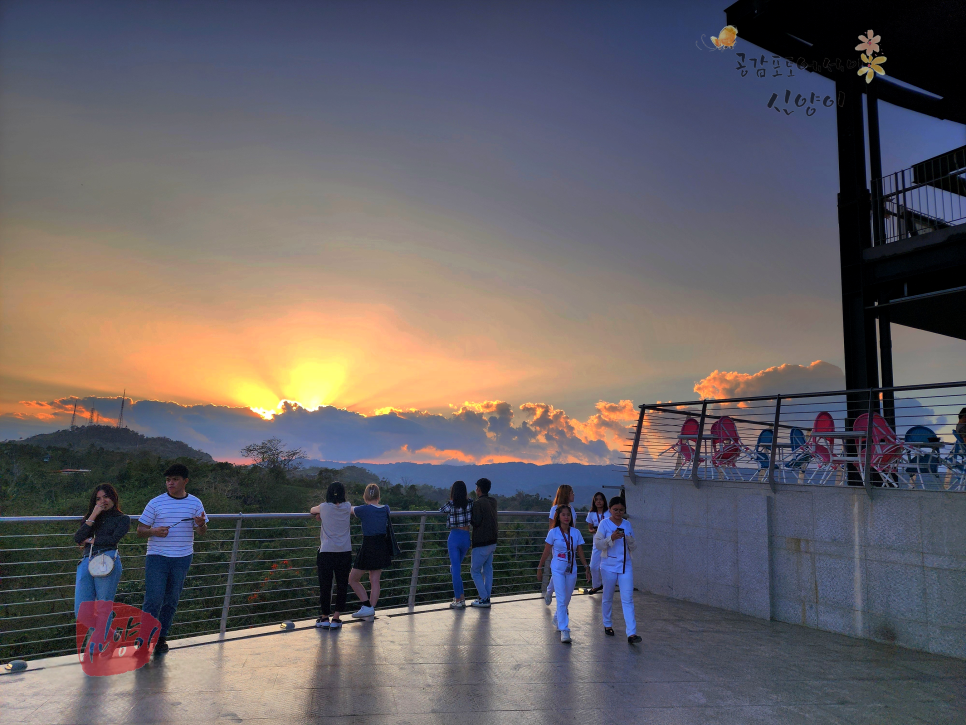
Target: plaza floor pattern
[507,665]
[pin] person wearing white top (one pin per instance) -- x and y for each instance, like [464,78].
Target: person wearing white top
[564,497]
[615,539]
[169,522]
[563,546]
[598,512]
[335,554]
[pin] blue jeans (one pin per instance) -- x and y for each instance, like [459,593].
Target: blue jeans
[481,567]
[92,589]
[163,579]
[458,544]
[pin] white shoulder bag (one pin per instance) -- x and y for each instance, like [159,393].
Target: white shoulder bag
[100,565]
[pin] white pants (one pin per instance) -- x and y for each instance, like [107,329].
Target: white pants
[564,584]
[595,568]
[626,583]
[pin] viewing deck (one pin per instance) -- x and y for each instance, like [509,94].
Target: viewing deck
[697,664]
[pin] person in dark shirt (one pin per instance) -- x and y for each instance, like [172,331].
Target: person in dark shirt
[104,526]
[485,532]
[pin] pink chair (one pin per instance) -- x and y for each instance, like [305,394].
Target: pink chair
[684,447]
[725,447]
[822,454]
[886,449]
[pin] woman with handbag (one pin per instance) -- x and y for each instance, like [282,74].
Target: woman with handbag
[104,526]
[376,552]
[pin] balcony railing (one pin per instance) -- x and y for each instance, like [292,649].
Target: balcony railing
[923,198]
[810,438]
[248,570]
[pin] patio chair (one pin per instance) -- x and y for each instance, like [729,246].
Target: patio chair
[886,449]
[798,456]
[922,462]
[762,452]
[956,464]
[726,447]
[823,454]
[684,447]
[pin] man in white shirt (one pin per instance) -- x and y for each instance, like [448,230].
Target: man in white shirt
[615,539]
[169,522]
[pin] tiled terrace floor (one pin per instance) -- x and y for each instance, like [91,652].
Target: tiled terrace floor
[506,665]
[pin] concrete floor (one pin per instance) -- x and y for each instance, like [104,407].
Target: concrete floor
[507,665]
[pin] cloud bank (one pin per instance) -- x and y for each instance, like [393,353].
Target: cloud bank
[491,431]
[817,377]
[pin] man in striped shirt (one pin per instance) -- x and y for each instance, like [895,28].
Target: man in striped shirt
[169,522]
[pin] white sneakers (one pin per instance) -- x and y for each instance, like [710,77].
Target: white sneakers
[457,604]
[554,620]
[335,624]
[322,623]
[548,597]
[565,636]
[364,612]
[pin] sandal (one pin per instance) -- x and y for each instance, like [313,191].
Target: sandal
[609,631]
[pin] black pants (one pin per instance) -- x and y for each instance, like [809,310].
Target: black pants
[329,563]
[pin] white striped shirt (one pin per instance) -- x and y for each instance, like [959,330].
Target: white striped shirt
[165,510]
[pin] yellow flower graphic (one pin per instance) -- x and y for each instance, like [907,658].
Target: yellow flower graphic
[872,66]
[870,42]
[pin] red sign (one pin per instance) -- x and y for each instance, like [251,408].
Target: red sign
[113,638]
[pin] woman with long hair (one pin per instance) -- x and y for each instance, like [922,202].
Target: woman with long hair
[564,497]
[335,554]
[563,546]
[374,555]
[103,528]
[459,509]
[598,512]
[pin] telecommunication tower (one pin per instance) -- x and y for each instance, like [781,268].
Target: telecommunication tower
[120,418]
[73,417]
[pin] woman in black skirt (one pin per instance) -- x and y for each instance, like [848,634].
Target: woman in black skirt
[374,554]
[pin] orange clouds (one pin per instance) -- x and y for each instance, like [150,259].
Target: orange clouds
[787,378]
[474,432]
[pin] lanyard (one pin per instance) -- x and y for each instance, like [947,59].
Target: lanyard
[569,543]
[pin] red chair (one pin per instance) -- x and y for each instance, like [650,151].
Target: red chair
[684,447]
[886,453]
[726,447]
[822,454]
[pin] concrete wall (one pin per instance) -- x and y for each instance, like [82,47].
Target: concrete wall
[890,568]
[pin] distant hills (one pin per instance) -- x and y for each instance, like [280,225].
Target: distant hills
[507,478]
[116,439]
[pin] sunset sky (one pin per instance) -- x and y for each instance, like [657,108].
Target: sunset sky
[454,211]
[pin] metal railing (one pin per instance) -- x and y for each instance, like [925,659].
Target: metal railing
[809,438]
[923,198]
[248,570]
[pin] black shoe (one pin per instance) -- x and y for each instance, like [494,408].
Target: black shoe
[634,639]
[597,590]
[161,647]
[609,631]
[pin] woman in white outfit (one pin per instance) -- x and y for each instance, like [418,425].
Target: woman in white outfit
[564,498]
[564,545]
[598,512]
[615,539]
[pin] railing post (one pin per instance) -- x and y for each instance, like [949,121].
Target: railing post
[231,577]
[774,445]
[697,443]
[416,556]
[867,477]
[632,463]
